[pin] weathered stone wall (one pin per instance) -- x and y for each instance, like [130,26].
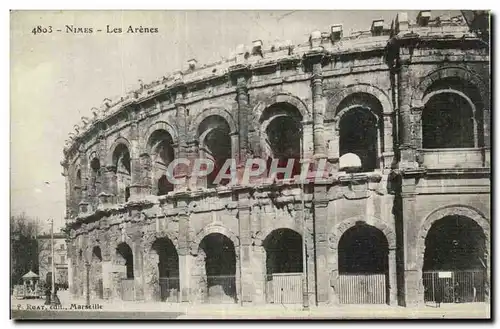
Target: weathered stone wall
[402,197]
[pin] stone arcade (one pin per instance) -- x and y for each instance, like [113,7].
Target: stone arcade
[410,99]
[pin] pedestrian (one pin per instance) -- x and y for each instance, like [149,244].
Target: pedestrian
[439,297]
[456,292]
[56,300]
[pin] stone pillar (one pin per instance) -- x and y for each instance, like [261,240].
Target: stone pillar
[182,150]
[192,154]
[107,269]
[388,152]
[84,169]
[138,254]
[235,152]
[246,272]
[151,276]
[258,263]
[107,279]
[406,124]
[243,119]
[393,291]
[307,135]
[319,106]
[311,259]
[320,204]
[486,134]
[407,223]
[137,189]
[186,260]
[71,277]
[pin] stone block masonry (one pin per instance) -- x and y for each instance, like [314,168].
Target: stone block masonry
[395,119]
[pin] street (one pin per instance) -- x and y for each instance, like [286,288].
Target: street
[31,309]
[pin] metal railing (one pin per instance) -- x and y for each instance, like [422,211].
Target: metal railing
[169,289]
[283,288]
[454,286]
[127,289]
[218,289]
[362,288]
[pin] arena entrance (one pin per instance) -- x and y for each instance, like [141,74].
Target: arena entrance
[168,270]
[363,266]
[220,269]
[454,269]
[124,257]
[284,268]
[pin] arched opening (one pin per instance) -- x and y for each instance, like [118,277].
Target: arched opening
[125,258]
[220,268]
[96,268]
[363,263]
[452,116]
[454,268]
[121,161]
[283,129]
[284,266]
[215,145]
[162,152]
[447,122]
[78,190]
[95,177]
[360,129]
[164,186]
[168,269]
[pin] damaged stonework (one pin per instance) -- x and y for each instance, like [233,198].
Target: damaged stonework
[395,123]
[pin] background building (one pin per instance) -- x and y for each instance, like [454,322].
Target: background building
[410,99]
[60,258]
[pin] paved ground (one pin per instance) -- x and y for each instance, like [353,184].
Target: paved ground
[75,309]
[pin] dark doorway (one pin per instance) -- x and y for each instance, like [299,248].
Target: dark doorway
[220,267]
[168,269]
[97,272]
[284,267]
[454,268]
[283,252]
[363,266]
[125,257]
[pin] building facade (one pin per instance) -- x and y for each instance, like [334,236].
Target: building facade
[410,99]
[60,258]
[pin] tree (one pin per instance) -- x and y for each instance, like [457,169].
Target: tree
[23,246]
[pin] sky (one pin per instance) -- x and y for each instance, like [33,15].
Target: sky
[56,78]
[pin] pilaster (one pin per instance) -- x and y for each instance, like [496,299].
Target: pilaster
[320,212]
[406,122]
[319,106]
[182,149]
[186,260]
[247,284]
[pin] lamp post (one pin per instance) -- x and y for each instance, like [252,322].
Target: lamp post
[54,301]
[87,296]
